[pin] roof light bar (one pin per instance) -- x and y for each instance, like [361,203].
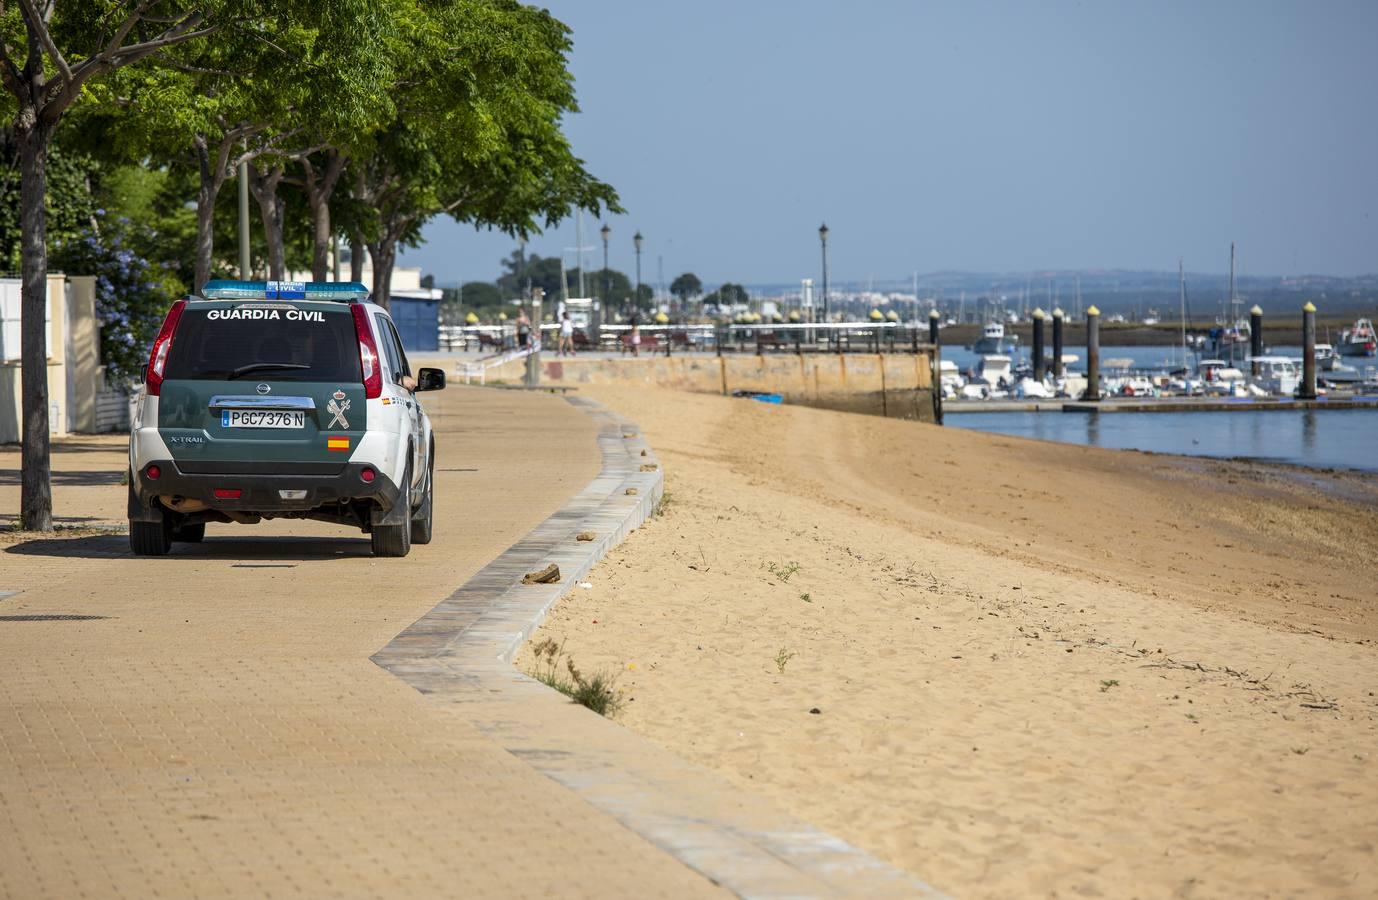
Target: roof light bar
[284,290]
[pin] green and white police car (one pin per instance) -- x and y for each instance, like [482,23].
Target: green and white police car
[273,399]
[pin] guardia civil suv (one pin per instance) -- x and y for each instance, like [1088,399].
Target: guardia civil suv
[267,400]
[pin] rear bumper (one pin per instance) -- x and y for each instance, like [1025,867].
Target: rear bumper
[258,492]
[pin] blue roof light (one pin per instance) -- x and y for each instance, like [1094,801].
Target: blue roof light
[222,289]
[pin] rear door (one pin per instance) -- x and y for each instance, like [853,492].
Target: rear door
[398,368]
[263,386]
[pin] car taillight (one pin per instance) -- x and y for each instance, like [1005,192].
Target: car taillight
[367,475]
[368,353]
[157,359]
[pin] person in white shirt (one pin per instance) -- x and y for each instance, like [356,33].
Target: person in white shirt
[566,336]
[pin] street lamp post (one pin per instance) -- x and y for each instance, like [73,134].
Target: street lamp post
[637,240]
[823,238]
[605,231]
[521,267]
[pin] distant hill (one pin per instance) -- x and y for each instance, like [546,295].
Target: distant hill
[1122,291]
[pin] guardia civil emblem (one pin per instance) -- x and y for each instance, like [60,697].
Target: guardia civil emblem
[337,408]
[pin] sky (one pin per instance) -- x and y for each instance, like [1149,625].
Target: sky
[972,136]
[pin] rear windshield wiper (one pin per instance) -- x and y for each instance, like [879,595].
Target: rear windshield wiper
[255,367]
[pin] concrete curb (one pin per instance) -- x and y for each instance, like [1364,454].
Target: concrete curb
[461,652]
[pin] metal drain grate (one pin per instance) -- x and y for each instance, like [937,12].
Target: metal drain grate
[56,617]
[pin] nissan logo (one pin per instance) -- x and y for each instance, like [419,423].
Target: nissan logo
[263,388]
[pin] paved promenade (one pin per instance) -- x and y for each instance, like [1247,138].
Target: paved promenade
[210,724]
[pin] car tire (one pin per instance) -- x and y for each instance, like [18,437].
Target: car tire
[395,540]
[150,538]
[190,534]
[421,519]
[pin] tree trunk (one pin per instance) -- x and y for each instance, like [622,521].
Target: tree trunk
[356,257]
[264,185]
[35,492]
[205,214]
[384,254]
[320,187]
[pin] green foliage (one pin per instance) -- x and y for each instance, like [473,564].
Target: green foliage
[70,204]
[132,293]
[728,295]
[598,691]
[542,271]
[687,286]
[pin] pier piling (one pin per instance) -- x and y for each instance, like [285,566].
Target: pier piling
[1092,353]
[1058,316]
[1308,352]
[1255,338]
[1039,365]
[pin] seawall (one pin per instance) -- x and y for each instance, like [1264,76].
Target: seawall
[898,386]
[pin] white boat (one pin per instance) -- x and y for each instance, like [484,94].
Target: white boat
[1028,389]
[994,370]
[994,340]
[1277,375]
[1361,340]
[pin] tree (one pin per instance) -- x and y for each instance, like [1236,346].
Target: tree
[480,295]
[477,136]
[541,271]
[42,81]
[686,287]
[728,294]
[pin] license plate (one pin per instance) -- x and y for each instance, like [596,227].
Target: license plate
[255,418]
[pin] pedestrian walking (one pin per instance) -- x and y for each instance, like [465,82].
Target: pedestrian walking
[636,338]
[523,329]
[566,336]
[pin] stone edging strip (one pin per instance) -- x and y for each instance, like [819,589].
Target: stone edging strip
[461,652]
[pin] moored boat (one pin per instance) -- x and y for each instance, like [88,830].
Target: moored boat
[994,340]
[1361,340]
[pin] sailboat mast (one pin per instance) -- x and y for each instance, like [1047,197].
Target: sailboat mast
[1230,317]
[1182,302]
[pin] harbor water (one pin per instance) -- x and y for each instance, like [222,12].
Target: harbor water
[1339,439]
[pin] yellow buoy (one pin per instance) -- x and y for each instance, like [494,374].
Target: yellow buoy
[471,319]
[661,318]
[876,316]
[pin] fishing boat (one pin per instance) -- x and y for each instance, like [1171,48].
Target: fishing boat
[993,370]
[1278,375]
[1361,340]
[994,340]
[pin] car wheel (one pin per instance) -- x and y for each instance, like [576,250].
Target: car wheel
[421,519]
[395,540]
[150,538]
[191,534]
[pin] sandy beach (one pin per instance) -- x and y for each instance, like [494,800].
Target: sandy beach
[1010,667]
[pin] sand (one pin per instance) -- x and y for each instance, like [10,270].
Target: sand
[1010,667]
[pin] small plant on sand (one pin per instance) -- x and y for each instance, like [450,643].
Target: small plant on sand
[597,691]
[1107,685]
[663,504]
[806,598]
[782,659]
[783,572]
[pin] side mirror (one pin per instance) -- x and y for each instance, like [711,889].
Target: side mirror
[430,379]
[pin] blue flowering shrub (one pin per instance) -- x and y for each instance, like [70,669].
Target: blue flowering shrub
[132,293]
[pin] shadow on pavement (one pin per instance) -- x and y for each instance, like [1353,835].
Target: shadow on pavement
[77,446]
[280,549]
[70,479]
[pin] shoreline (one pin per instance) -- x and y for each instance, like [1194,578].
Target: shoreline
[1020,688]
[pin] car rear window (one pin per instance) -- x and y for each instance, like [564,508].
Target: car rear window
[273,342]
